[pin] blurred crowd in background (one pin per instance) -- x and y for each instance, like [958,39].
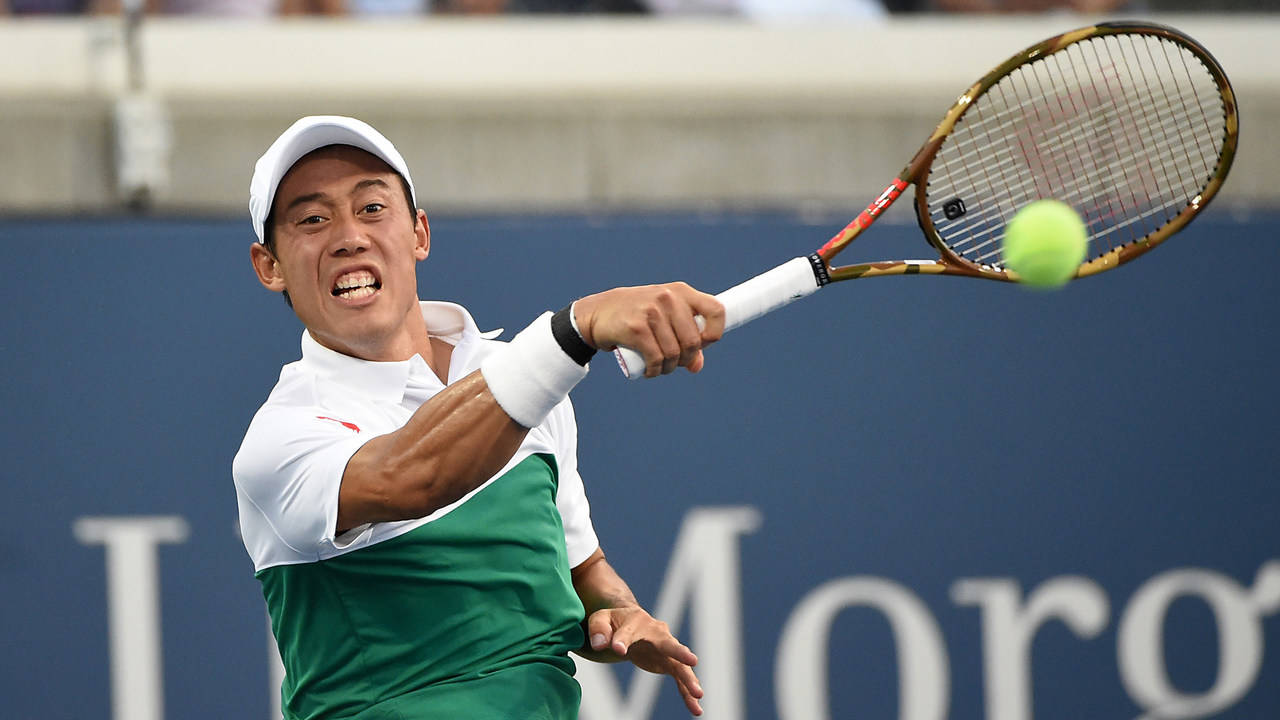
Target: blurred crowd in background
[263,8]
[749,9]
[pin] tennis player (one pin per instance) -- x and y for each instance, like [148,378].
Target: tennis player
[409,492]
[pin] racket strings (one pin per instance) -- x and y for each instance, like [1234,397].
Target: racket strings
[1098,128]
[1103,129]
[1004,160]
[1186,171]
[1127,129]
[1098,133]
[1060,133]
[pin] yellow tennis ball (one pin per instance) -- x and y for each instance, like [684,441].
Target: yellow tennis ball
[1044,243]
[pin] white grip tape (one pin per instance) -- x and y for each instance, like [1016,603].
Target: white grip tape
[745,302]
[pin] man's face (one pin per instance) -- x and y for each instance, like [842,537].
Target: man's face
[346,247]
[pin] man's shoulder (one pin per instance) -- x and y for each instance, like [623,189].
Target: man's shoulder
[296,386]
[295,411]
[295,392]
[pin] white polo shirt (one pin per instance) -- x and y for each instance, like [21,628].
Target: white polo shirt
[468,612]
[327,405]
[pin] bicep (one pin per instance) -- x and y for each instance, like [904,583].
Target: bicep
[366,494]
[450,445]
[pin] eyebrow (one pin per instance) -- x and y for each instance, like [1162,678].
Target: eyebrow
[311,197]
[371,182]
[302,199]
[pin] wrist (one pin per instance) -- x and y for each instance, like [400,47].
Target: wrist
[581,314]
[531,374]
[564,326]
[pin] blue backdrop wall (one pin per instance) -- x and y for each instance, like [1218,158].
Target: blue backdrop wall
[926,433]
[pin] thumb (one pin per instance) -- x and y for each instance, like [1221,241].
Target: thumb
[599,630]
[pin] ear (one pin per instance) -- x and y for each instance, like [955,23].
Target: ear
[422,230]
[267,268]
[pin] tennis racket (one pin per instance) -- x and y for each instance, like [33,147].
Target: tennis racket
[1132,124]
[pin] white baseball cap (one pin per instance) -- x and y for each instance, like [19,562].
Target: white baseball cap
[312,133]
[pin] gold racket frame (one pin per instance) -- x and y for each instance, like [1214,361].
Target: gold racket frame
[950,262]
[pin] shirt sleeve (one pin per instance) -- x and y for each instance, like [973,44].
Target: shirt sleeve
[571,498]
[289,470]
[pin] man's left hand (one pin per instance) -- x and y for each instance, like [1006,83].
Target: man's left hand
[632,634]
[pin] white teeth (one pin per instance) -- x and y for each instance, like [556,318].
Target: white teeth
[355,285]
[357,293]
[359,278]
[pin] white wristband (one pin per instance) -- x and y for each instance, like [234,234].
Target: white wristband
[531,375]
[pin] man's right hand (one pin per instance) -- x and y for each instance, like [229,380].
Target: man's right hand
[656,321]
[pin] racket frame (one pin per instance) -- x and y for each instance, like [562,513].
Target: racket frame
[950,262]
[802,276]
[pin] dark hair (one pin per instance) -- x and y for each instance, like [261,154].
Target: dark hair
[269,232]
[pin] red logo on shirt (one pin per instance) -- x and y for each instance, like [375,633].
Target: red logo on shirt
[343,423]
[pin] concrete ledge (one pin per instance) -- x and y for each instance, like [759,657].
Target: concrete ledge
[549,114]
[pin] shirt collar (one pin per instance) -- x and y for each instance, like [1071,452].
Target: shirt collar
[386,381]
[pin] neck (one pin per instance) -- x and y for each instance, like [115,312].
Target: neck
[409,339]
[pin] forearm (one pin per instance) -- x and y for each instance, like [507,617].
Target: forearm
[467,433]
[450,446]
[618,628]
[600,587]
[462,436]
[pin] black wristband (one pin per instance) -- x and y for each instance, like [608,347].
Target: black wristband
[568,339]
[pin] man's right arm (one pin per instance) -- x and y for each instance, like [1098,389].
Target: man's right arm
[467,432]
[452,444]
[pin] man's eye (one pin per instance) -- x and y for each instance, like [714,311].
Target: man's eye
[374,207]
[311,220]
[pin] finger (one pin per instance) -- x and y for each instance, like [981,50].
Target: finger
[621,641]
[707,311]
[687,678]
[695,365]
[690,688]
[658,343]
[668,343]
[712,312]
[678,652]
[691,702]
[599,630]
[688,333]
[695,707]
[640,338]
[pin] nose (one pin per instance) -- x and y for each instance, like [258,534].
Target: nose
[349,237]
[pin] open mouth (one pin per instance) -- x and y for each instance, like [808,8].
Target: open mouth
[355,285]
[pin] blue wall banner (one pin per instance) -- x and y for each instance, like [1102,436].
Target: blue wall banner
[915,498]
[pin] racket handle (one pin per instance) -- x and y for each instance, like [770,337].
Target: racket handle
[747,301]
